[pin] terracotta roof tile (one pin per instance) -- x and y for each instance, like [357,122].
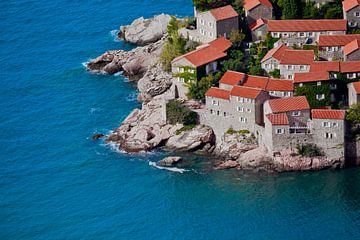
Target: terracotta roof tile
[218,93]
[289,104]
[256,82]
[223,13]
[307,25]
[250,4]
[245,92]
[207,53]
[258,23]
[351,47]
[324,66]
[311,77]
[337,40]
[278,119]
[232,78]
[350,4]
[356,85]
[280,85]
[275,53]
[297,57]
[350,67]
[328,114]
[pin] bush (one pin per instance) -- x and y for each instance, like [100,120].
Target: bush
[309,150]
[231,131]
[197,89]
[177,113]
[353,116]
[185,128]
[241,132]
[275,73]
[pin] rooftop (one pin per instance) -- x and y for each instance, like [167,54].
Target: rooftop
[337,40]
[223,13]
[351,47]
[275,52]
[350,67]
[278,119]
[311,77]
[245,92]
[280,85]
[328,114]
[250,4]
[307,25]
[282,105]
[297,57]
[324,66]
[232,78]
[258,23]
[350,4]
[218,93]
[207,53]
[357,87]
[256,82]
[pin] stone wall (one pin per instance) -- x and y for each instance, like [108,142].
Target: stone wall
[350,16]
[206,27]
[259,11]
[354,56]
[332,55]
[259,34]
[224,27]
[286,73]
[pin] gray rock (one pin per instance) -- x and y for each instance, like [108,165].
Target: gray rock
[169,161]
[227,165]
[144,31]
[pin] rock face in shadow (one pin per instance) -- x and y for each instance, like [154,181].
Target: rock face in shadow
[132,63]
[144,31]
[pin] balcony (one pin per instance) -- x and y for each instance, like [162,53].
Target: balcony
[299,130]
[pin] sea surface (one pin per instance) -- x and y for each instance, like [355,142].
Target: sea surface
[56,183]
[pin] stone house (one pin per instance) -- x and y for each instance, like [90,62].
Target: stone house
[329,129]
[331,47]
[300,32]
[256,9]
[319,3]
[194,65]
[352,51]
[287,123]
[241,108]
[287,61]
[351,12]
[258,29]
[212,24]
[350,69]
[231,79]
[354,93]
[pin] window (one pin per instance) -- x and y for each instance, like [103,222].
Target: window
[318,83]
[191,71]
[334,124]
[302,67]
[352,24]
[211,111]
[181,70]
[210,34]
[248,110]
[351,75]
[272,93]
[202,31]
[280,131]
[289,67]
[267,66]
[290,77]
[302,34]
[320,96]
[240,99]
[275,34]
[181,79]
[210,24]
[202,21]
[326,124]
[329,135]
[301,84]
[214,102]
[240,109]
[243,120]
[285,35]
[296,113]
[225,114]
[218,113]
[357,14]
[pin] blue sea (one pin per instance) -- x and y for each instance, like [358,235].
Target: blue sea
[56,183]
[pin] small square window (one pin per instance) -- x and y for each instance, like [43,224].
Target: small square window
[318,83]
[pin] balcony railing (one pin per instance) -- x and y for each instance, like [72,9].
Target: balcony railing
[299,130]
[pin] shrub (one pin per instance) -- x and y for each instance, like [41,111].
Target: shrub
[185,128]
[177,113]
[309,150]
[353,115]
[197,89]
[275,73]
[230,131]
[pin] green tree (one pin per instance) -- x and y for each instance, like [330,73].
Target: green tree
[353,115]
[197,89]
[291,9]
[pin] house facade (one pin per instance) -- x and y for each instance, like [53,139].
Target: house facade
[351,12]
[258,29]
[196,64]
[300,32]
[339,47]
[212,24]
[354,93]
[256,9]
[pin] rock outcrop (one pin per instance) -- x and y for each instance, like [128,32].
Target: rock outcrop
[133,63]
[144,31]
[169,161]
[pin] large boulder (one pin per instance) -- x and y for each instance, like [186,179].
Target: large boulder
[144,31]
[134,63]
[169,161]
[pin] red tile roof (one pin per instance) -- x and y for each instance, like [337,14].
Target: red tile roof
[328,114]
[218,93]
[280,85]
[245,92]
[356,85]
[223,13]
[350,4]
[297,57]
[275,53]
[278,119]
[232,78]
[325,66]
[311,77]
[351,47]
[350,67]
[337,40]
[258,23]
[207,53]
[250,4]
[307,25]
[256,82]
[289,104]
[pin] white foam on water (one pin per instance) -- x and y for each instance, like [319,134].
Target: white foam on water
[118,74]
[171,169]
[114,34]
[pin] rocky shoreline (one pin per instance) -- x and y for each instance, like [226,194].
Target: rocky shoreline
[146,129]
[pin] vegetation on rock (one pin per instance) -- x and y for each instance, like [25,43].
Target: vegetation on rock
[178,113]
[309,150]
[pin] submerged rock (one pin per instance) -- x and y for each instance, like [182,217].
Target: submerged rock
[169,161]
[144,31]
[97,136]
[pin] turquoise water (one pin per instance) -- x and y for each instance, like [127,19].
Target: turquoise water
[55,183]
